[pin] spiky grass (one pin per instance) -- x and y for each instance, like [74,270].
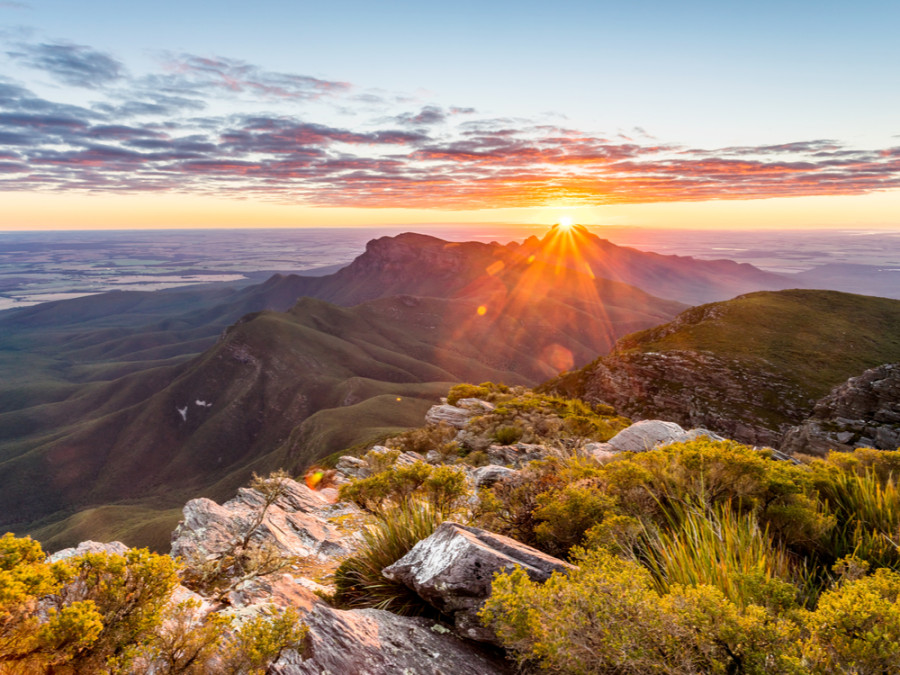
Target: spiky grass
[868,510]
[359,580]
[719,546]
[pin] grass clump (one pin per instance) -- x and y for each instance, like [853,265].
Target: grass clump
[359,582]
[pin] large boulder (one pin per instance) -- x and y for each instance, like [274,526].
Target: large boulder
[376,642]
[646,435]
[454,568]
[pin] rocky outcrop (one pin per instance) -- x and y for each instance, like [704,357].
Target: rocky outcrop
[376,642]
[649,434]
[299,524]
[864,411]
[453,570]
[445,413]
[742,400]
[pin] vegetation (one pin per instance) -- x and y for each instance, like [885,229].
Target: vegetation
[106,613]
[359,582]
[703,557]
[809,341]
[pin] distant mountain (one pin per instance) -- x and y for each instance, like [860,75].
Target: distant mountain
[750,368]
[681,278]
[121,406]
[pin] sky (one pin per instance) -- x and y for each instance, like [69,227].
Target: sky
[270,114]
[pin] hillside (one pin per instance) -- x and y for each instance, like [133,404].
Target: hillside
[115,426]
[749,367]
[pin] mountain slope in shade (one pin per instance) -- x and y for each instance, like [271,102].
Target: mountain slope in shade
[750,367]
[286,388]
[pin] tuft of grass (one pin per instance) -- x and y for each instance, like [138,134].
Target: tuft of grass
[718,546]
[359,581]
[869,512]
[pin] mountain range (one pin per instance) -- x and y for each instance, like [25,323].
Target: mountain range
[119,407]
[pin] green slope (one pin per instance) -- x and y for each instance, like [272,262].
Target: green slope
[748,367]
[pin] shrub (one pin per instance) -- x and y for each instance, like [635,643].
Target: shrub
[856,627]
[720,547]
[461,391]
[359,581]
[867,504]
[421,440]
[508,434]
[443,487]
[605,617]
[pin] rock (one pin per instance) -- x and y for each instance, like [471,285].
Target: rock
[475,404]
[601,451]
[517,455]
[353,467]
[376,642]
[864,411]
[744,400]
[453,570]
[646,435]
[297,524]
[449,414]
[409,458]
[113,547]
[693,434]
[485,476]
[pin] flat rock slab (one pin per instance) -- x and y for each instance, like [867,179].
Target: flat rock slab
[375,642]
[454,568]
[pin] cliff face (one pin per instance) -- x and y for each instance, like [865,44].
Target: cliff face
[741,400]
[862,412]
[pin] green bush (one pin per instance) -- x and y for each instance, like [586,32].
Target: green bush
[508,434]
[443,487]
[461,391]
[856,627]
[606,617]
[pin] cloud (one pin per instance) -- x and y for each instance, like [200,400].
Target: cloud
[189,72]
[429,115]
[158,133]
[8,4]
[72,64]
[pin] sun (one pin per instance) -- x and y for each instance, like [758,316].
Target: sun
[565,223]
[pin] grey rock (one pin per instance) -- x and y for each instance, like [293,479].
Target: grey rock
[353,467]
[692,434]
[453,570]
[376,642]
[113,547]
[449,414]
[646,435]
[861,412]
[745,400]
[485,476]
